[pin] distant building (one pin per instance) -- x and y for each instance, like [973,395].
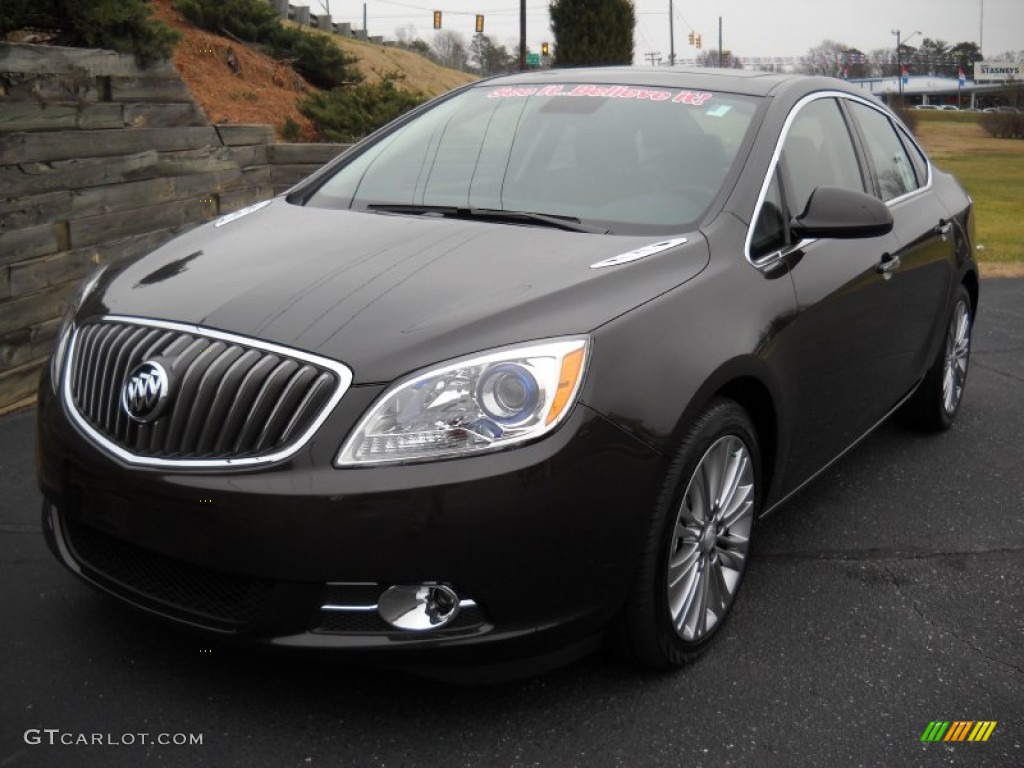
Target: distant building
[926,89]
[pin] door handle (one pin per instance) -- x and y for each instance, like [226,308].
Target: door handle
[888,265]
[944,228]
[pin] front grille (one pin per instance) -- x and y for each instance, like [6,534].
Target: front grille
[229,398]
[202,595]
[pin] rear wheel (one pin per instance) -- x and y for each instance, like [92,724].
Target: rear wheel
[936,402]
[699,542]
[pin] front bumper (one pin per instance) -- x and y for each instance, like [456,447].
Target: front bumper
[539,541]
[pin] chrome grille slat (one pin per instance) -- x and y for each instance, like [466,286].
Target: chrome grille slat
[186,394]
[316,393]
[286,402]
[99,355]
[151,436]
[151,338]
[218,363]
[115,375]
[232,401]
[88,345]
[263,405]
[106,368]
[242,404]
[227,390]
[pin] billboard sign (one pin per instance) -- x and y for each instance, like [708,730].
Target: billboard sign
[997,71]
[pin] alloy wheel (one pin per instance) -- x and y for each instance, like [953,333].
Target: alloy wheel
[709,545]
[958,348]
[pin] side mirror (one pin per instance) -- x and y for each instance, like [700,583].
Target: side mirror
[843,214]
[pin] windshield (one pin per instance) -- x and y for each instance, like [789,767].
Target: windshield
[627,159]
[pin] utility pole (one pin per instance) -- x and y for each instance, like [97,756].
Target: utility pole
[671,35]
[899,66]
[522,35]
[981,29]
[653,56]
[899,58]
[719,41]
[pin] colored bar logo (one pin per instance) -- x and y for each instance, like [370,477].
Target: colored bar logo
[959,730]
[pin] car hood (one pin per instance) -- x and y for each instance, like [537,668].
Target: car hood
[388,294]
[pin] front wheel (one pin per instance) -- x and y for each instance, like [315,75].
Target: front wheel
[936,402]
[699,542]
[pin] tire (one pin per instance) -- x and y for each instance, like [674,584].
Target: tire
[935,404]
[691,559]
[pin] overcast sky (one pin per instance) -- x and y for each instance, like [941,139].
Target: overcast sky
[752,28]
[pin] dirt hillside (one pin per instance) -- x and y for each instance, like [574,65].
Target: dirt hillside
[420,74]
[236,83]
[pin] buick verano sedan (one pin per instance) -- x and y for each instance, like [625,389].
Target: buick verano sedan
[517,374]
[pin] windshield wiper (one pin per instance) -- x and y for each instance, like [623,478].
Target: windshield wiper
[568,223]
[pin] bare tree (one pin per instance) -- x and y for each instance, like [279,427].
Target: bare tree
[450,48]
[1011,56]
[882,62]
[710,58]
[825,59]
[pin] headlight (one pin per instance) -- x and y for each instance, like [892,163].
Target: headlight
[74,304]
[481,403]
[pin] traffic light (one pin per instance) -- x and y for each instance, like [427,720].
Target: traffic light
[544,50]
[437,19]
[479,24]
[698,42]
[692,38]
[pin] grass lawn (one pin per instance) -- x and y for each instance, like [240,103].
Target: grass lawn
[992,171]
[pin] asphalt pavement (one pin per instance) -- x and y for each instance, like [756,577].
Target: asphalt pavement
[887,595]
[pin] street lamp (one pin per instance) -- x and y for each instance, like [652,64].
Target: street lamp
[899,57]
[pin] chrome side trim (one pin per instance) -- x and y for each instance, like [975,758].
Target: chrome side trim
[346,608]
[229,217]
[639,253]
[342,371]
[367,608]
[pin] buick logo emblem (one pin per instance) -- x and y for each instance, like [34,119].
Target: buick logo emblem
[144,395]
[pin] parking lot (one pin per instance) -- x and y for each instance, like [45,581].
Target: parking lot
[887,595]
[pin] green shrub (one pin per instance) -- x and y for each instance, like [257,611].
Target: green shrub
[291,130]
[349,114]
[1001,125]
[119,25]
[252,20]
[314,56]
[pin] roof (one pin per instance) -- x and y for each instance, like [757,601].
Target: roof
[728,80]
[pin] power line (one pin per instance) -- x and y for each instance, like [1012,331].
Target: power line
[492,12]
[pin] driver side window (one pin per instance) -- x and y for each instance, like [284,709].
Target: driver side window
[818,152]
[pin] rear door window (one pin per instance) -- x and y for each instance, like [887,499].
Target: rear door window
[893,167]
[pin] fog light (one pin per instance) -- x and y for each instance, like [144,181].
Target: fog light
[418,607]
